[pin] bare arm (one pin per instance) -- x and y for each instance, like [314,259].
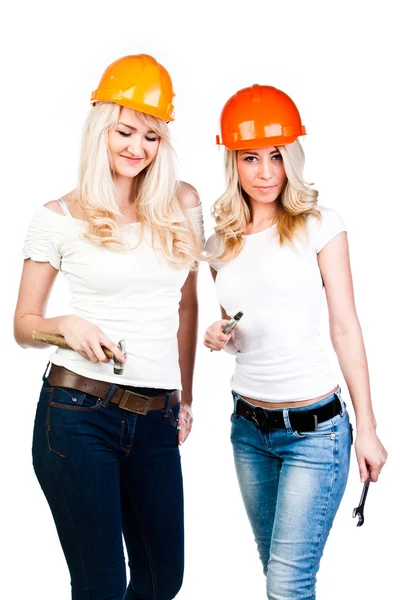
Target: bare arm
[85,338]
[36,283]
[187,335]
[214,337]
[188,324]
[347,340]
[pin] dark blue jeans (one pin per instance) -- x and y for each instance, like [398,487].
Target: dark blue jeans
[106,473]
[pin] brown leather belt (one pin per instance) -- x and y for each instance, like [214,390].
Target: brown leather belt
[121,395]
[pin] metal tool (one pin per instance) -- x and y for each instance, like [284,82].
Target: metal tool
[59,340]
[359,510]
[227,328]
[231,324]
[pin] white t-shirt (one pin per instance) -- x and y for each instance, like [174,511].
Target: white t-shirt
[132,295]
[280,355]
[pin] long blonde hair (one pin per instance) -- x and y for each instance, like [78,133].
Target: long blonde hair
[232,211]
[154,190]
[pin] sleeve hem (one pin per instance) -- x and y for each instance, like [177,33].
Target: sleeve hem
[42,259]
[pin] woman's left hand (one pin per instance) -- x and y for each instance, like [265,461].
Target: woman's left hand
[185,422]
[371,455]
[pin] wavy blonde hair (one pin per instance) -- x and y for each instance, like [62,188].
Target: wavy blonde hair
[232,211]
[154,190]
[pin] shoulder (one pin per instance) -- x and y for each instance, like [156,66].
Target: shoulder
[214,248]
[211,243]
[187,195]
[326,216]
[54,206]
[328,213]
[326,227]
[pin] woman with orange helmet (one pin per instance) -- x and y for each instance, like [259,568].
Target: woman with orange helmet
[106,443]
[274,250]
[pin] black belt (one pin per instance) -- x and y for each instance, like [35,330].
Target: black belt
[304,420]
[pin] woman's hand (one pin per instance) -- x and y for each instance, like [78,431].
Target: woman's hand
[87,339]
[214,338]
[185,422]
[371,455]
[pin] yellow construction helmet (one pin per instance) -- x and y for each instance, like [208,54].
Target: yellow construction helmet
[139,82]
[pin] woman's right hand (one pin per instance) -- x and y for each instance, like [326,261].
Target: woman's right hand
[214,337]
[87,339]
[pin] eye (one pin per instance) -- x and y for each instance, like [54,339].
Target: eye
[152,139]
[250,159]
[123,133]
[276,157]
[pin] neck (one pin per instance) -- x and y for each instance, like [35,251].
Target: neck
[263,215]
[123,186]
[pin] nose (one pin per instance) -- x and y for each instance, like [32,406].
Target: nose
[136,145]
[264,171]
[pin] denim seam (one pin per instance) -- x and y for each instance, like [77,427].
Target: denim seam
[74,529]
[334,478]
[146,544]
[48,426]
[172,417]
[73,408]
[127,449]
[76,408]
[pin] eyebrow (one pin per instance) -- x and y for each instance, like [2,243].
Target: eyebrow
[256,153]
[134,128]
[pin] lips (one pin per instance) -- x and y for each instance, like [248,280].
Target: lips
[265,188]
[132,159]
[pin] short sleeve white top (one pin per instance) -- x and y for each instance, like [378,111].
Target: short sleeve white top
[280,354]
[132,295]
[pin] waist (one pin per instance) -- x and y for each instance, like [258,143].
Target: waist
[156,369]
[133,399]
[300,420]
[274,405]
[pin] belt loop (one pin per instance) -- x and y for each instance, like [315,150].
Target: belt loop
[235,400]
[110,393]
[286,420]
[338,395]
[46,371]
[167,402]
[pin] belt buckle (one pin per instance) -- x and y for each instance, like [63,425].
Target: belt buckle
[141,410]
[259,418]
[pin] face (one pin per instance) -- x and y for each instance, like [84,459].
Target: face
[261,173]
[132,144]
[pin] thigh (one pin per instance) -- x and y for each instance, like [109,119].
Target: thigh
[79,473]
[312,482]
[258,471]
[152,508]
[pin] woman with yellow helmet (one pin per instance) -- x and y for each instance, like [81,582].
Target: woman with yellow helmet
[105,447]
[273,252]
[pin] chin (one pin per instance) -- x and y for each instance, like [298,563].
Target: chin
[130,172]
[262,199]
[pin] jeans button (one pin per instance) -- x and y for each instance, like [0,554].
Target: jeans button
[74,400]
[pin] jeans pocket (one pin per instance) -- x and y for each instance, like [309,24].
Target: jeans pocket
[74,400]
[68,412]
[326,429]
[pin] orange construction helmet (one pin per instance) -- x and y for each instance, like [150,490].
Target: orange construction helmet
[139,82]
[258,116]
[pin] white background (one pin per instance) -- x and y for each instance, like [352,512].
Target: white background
[339,62]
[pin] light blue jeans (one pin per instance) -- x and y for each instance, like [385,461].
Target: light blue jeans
[292,484]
